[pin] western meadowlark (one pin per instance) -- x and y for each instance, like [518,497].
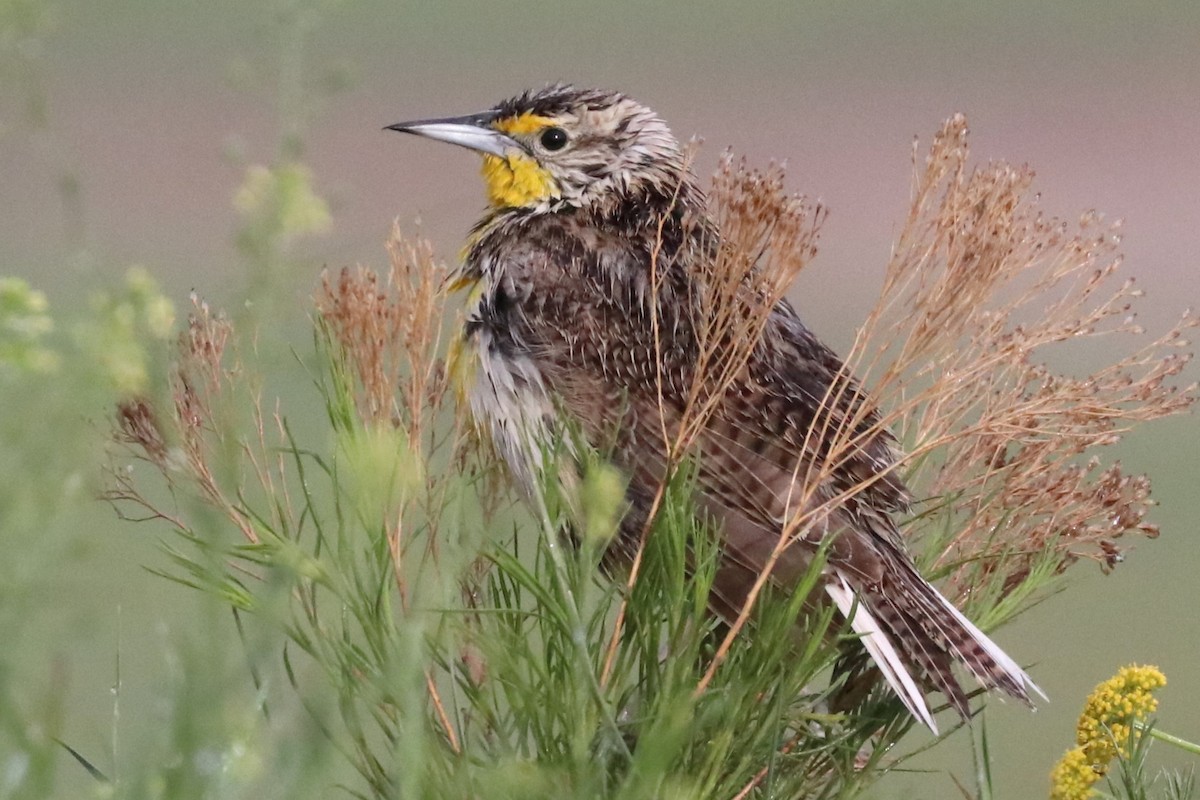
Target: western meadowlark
[589,193]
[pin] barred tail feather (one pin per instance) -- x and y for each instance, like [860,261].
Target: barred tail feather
[914,634]
[1009,677]
[950,635]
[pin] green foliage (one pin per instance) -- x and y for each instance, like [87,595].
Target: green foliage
[58,374]
[1134,778]
[24,326]
[446,657]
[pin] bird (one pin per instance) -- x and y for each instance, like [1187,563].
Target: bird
[580,315]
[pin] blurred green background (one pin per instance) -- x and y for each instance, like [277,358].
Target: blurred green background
[126,128]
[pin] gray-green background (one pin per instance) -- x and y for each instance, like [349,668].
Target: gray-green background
[143,108]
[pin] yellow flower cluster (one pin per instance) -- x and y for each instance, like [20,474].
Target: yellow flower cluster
[1072,777]
[1111,710]
[1103,730]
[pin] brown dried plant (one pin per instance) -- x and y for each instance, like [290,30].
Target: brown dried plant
[390,334]
[1000,448]
[983,290]
[981,297]
[187,443]
[766,237]
[387,334]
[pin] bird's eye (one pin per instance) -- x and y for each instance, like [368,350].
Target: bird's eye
[554,139]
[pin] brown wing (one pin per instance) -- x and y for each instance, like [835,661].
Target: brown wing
[791,435]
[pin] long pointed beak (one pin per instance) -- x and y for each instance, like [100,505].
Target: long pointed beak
[471,131]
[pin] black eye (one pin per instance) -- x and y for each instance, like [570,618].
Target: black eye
[554,139]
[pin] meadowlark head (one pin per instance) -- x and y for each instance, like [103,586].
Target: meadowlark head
[564,147]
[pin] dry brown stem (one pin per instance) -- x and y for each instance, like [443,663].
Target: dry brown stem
[390,333]
[984,295]
[981,289]
[186,443]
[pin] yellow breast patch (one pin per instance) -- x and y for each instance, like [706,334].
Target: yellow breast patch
[516,181]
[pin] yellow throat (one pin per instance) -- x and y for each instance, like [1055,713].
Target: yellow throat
[516,180]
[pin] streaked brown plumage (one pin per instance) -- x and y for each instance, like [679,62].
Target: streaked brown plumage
[588,187]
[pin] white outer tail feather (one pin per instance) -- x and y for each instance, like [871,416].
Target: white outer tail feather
[893,668]
[880,647]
